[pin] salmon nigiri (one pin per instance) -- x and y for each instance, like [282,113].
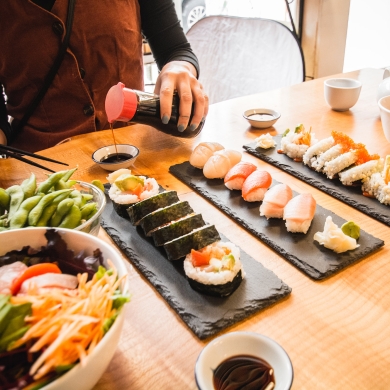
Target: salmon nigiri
[299,212]
[275,199]
[236,176]
[256,185]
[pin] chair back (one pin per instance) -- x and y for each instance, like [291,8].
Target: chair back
[242,56]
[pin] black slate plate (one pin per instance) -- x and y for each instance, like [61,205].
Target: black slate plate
[350,195]
[204,315]
[300,249]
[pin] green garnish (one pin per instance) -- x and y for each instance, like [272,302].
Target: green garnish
[351,229]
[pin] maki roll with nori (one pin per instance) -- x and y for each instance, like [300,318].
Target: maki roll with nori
[215,270]
[197,239]
[177,228]
[141,209]
[127,189]
[165,215]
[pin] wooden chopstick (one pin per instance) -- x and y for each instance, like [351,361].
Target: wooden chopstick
[24,153]
[17,156]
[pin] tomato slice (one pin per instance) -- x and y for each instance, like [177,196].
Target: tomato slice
[30,272]
[199,258]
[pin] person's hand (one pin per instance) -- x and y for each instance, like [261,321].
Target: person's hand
[181,76]
[3,138]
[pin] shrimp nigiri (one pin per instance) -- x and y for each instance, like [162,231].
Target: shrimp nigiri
[299,212]
[256,185]
[219,164]
[275,199]
[203,152]
[236,176]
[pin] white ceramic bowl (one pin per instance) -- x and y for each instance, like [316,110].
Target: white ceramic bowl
[80,378]
[261,118]
[99,155]
[243,343]
[342,93]
[384,108]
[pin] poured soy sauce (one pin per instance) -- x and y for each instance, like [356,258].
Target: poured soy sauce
[116,157]
[244,371]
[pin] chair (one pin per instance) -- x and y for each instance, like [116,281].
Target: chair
[242,56]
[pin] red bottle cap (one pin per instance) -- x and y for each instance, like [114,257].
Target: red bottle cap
[121,103]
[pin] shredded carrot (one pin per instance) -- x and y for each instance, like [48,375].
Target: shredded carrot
[68,333]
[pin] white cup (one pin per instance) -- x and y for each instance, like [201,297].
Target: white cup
[342,94]
[384,108]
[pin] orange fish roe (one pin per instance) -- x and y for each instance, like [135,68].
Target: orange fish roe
[344,140]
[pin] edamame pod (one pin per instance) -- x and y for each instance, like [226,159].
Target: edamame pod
[50,210]
[4,222]
[61,184]
[98,184]
[68,174]
[19,219]
[88,209]
[72,219]
[62,209]
[29,186]
[4,198]
[51,181]
[77,197]
[16,195]
[37,211]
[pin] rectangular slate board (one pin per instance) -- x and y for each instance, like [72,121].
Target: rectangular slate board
[348,194]
[300,249]
[204,315]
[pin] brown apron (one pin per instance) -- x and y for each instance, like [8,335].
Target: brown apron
[105,48]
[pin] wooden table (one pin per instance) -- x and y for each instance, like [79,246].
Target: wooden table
[336,332]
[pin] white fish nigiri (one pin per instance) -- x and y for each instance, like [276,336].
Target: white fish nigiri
[275,199]
[219,164]
[299,212]
[203,152]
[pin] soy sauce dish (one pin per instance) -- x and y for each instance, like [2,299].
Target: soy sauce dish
[113,157]
[263,357]
[261,118]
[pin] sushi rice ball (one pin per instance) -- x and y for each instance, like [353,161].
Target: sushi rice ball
[215,269]
[127,189]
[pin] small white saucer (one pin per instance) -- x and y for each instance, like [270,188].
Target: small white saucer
[261,118]
[99,156]
[243,343]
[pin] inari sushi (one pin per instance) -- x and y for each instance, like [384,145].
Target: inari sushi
[236,176]
[219,164]
[275,199]
[299,212]
[203,152]
[215,269]
[127,189]
[256,185]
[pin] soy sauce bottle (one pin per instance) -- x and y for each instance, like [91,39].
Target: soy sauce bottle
[129,105]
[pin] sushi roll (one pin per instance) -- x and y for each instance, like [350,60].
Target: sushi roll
[295,143]
[219,164]
[215,269]
[236,176]
[164,215]
[139,210]
[275,199]
[197,239]
[299,212]
[127,189]
[314,151]
[360,172]
[177,228]
[203,152]
[256,185]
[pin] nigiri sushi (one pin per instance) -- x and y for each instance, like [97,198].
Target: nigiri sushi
[236,176]
[219,164]
[275,199]
[256,185]
[203,152]
[299,212]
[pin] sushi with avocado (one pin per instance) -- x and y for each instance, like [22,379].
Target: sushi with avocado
[177,228]
[165,215]
[215,269]
[197,239]
[127,189]
[140,209]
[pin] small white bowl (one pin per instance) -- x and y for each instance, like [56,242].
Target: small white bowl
[261,118]
[342,94]
[99,155]
[243,343]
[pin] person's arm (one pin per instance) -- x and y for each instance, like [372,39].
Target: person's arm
[5,127]
[176,60]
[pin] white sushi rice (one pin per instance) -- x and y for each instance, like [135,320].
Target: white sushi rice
[200,274]
[290,145]
[120,197]
[319,162]
[235,184]
[256,195]
[298,226]
[317,149]
[333,167]
[376,187]
[361,172]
